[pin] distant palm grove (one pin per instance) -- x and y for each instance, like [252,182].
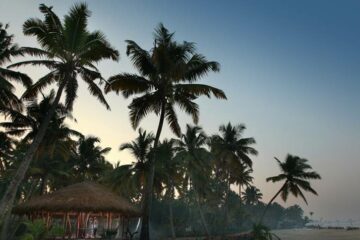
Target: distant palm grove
[194,184]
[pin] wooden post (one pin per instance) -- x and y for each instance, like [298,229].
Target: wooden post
[78,225]
[123,227]
[110,220]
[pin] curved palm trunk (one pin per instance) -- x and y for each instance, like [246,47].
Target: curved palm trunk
[145,226]
[7,200]
[270,202]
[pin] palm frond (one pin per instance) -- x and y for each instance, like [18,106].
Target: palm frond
[127,84]
[172,119]
[201,89]
[140,58]
[41,84]
[198,67]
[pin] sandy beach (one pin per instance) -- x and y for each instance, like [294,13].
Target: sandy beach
[302,234]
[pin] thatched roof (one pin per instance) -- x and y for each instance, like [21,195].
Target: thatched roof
[80,197]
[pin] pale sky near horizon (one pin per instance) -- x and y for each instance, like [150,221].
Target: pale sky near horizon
[290,70]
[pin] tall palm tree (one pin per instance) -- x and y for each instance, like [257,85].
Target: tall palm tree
[252,195]
[8,49]
[296,172]
[167,75]
[231,153]
[70,52]
[195,160]
[168,172]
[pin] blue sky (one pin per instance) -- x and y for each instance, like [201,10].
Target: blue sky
[290,69]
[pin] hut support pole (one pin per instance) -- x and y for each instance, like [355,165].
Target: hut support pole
[123,233]
[107,220]
[110,220]
[78,225]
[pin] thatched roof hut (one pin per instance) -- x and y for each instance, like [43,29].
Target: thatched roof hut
[80,197]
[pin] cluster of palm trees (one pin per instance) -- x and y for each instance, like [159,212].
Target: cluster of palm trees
[186,166]
[40,153]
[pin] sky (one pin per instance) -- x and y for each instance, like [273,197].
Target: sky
[290,70]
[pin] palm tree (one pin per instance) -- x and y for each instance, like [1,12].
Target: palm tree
[231,152]
[230,148]
[58,144]
[167,75]
[252,195]
[168,172]
[196,163]
[140,149]
[89,162]
[71,51]
[8,100]
[241,176]
[296,172]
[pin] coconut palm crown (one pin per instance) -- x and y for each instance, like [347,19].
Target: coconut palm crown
[166,78]
[69,50]
[296,172]
[252,195]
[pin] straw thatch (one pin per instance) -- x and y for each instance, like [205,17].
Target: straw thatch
[80,197]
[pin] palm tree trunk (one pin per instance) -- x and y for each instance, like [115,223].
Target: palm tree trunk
[5,225]
[226,205]
[171,215]
[7,200]
[145,226]
[270,202]
[197,199]
[171,218]
[202,217]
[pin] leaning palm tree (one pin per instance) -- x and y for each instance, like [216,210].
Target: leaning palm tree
[8,50]
[168,73]
[296,172]
[252,195]
[70,51]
